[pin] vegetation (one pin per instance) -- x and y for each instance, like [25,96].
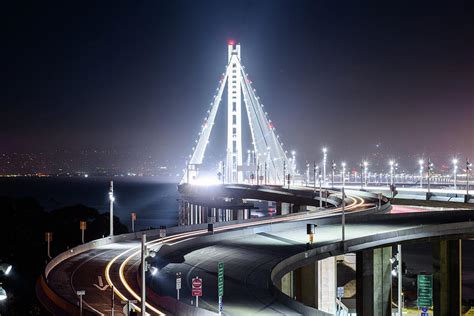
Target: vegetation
[22,243]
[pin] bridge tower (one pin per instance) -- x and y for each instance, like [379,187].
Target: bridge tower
[269,159]
[234,115]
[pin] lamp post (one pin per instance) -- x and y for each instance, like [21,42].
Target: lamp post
[343,174]
[325,157]
[284,172]
[430,169]
[320,190]
[366,167]
[361,166]
[111,199]
[80,294]
[145,253]
[333,170]
[307,174]
[468,171]
[392,167]
[343,215]
[421,162]
[293,160]
[455,172]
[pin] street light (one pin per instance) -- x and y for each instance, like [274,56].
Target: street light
[111,199]
[366,167]
[343,174]
[468,170]
[333,170]
[429,166]
[455,172]
[421,162]
[325,157]
[392,168]
[146,253]
[6,268]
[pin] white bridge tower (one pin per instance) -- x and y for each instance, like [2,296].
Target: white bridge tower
[269,163]
[234,116]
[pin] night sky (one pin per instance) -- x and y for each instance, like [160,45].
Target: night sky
[140,75]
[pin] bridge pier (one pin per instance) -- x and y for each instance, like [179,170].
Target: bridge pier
[282,208]
[447,277]
[374,282]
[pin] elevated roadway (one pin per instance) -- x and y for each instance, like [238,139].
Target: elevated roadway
[256,253]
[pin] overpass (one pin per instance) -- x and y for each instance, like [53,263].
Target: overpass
[261,257]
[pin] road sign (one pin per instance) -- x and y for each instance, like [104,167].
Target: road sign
[340,291]
[81,293]
[220,279]
[82,225]
[134,216]
[178,283]
[424,309]
[196,287]
[48,236]
[425,290]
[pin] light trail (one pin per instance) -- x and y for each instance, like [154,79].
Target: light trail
[356,202]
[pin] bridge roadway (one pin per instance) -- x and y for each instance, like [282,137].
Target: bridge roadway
[248,261]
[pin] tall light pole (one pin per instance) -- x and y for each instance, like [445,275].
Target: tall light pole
[400,279]
[111,199]
[421,162]
[307,174]
[361,165]
[455,172]
[293,159]
[315,171]
[392,168]
[430,169]
[343,215]
[145,253]
[320,190]
[468,170]
[366,167]
[333,170]
[343,174]
[325,157]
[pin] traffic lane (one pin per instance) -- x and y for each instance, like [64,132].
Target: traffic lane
[240,285]
[90,277]
[248,264]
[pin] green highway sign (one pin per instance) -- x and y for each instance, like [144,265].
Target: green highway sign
[425,290]
[220,279]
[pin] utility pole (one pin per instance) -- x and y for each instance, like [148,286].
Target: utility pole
[111,199]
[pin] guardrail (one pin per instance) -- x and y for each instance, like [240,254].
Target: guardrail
[46,290]
[373,241]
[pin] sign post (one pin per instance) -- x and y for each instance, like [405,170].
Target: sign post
[162,232]
[178,284]
[340,295]
[80,294]
[134,218]
[48,237]
[82,227]
[425,292]
[196,289]
[220,285]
